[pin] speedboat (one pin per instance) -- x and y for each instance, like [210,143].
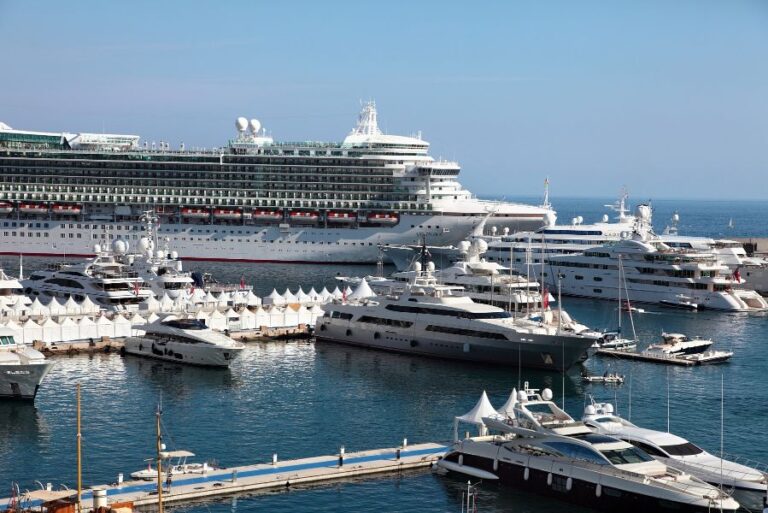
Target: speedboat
[677,452]
[613,340]
[608,377]
[183,341]
[177,468]
[674,344]
[22,368]
[551,454]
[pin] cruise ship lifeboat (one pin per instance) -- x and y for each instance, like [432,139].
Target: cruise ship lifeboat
[307,216]
[64,209]
[33,208]
[197,213]
[267,215]
[386,218]
[341,217]
[5,207]
[227,213]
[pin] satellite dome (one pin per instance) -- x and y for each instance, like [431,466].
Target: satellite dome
[590,410]
[119,246]
[644,212]
[505,231]
[550,218]
[579,219]
[605,218]
[464,246]
[574,221]
[608,408]
[96,248]
[160,253]
[494,230]
[522,396]
[144,244]
[241,124]
[546,394]
[676,217]
[175,255]
[417,267]
[481,246]
[255,126]
[430,267]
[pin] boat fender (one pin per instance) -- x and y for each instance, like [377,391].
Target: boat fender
[598,490]
[569,484]
[526,474]
[549,479]
[461,459]
[495,465]
[466,347]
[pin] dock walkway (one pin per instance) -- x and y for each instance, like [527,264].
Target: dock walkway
[259,477]
[645,357]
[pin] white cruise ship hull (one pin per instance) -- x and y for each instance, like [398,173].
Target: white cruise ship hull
[193,354]
[250,243]
[22,381]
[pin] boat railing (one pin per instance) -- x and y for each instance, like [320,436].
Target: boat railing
[743,460]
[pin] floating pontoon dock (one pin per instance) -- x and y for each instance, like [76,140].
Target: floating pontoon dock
[646,357]
[254,478]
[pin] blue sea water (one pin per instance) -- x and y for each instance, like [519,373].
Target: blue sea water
[302,399]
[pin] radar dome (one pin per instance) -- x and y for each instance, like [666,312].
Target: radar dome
[579,219]
[119,247]
[175,255]
[574,220]
[522,396]
[644,212]
[676,217]
[550,218]
[255,126]
[160,253]
[505,231]
[144,244]
[546,394]
[96,248]
[494,230]
[464,246]
[590,410]
[481,246]
[241,124]
[417,267]
[608,408]
[430,267]
[605,218]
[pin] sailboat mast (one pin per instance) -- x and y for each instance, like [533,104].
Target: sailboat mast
[159,464]
[79,455]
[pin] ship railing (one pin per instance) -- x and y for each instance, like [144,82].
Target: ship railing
[742,460]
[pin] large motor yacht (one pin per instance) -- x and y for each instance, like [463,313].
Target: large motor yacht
[105,279]
[429,319]
[679,453]
[541,449]
[22,368]
[654,273]
[184,341]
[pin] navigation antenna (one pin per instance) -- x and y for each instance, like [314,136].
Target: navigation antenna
[425,255]
[546,203]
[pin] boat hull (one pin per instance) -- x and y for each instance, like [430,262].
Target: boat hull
[190,354]
[22,381]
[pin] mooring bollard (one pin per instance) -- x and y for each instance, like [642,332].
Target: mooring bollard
[405,443]
[341,456]
[274,459]
[397,454]
[120,479]
[234,475]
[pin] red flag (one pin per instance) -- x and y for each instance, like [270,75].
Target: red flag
[737,276]
[242,282]
[545,299]
[344,295]
[136,288]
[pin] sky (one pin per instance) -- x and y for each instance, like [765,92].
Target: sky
[666,98]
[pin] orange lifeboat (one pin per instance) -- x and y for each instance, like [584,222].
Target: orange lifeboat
[227,213]
[33,208]
[304,216]
[267,215]
[5,207]
[386,218]
[196,213]
[66,209]
[341,217]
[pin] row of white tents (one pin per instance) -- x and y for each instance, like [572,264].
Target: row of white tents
[24,307]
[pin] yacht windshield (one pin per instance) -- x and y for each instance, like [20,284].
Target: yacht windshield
[686,449]
[627,455]
[186,324]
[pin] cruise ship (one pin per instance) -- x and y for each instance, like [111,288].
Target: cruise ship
[252,199]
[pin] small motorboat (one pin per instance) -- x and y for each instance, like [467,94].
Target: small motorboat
[673,344]
[178,467]
[681,301]
[613,340]
[711,356]
[608,378]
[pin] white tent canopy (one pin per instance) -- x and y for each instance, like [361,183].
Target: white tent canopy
[483,408]
[289,296]
[88,329]
[274,298]
[508,409]
[69,330]
[88,306]
[252,299]
[362,291]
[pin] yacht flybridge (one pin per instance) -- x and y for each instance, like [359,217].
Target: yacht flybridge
[430,319]
[541,449]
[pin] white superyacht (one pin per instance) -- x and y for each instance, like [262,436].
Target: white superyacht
[429,319]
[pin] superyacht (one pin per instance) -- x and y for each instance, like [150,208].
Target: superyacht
[653,272]
[252,199]
[428,319]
